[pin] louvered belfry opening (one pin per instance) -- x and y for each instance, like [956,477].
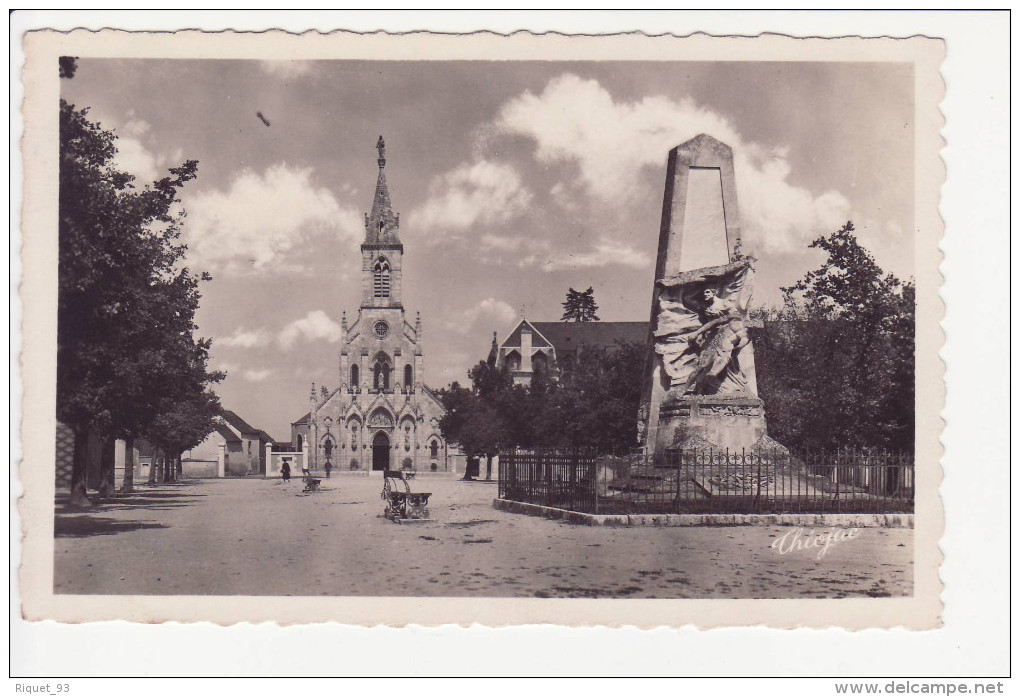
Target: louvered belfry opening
[381,278]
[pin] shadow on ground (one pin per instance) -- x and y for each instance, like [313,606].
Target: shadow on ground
[86,526]
[147,499]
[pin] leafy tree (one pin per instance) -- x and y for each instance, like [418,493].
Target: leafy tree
[126,302]
[595,404]
[580,306]
[68,66]
[836,363]
[184,422]
[476,418]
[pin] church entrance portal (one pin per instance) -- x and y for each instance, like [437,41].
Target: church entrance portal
[380,452]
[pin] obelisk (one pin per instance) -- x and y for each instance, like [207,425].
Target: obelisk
[699,383]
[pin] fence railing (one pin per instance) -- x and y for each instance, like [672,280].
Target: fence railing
[557,478]
[764,480]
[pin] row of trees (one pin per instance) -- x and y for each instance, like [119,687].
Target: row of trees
[835,367]
[594,404]
[128,363]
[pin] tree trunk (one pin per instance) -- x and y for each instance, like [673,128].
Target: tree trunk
[180,467]
[488,467]
[79,468]
[107,469]
[152,468]
[129,466]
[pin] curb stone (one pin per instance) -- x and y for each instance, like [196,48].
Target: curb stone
[838,520]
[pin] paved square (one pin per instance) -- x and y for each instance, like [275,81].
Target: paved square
[264,537]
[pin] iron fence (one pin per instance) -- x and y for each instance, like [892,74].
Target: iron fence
[763,480]
[558,478]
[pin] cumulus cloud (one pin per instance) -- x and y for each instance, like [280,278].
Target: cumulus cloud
[285,68]
[243,338]
[578,122]
[316,325]
[256,375]
[135,158]
[261,218]
[495,313]
[604,253]
[478,193]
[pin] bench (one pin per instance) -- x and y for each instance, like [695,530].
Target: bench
[402,504]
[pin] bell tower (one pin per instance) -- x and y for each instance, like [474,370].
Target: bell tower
[381,252]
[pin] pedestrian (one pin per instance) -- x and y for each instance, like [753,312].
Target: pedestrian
[329,468]
[285,469]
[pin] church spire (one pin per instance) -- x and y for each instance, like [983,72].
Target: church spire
[381,224]
[493,351]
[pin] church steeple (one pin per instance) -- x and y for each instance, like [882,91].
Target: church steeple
[381,252]
[381,224]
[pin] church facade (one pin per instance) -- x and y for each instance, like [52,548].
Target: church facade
[382,416]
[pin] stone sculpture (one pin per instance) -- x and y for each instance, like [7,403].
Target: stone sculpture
[700,330]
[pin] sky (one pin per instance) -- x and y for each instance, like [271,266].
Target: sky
[514,181]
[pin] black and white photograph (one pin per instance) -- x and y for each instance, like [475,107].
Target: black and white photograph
[300,330]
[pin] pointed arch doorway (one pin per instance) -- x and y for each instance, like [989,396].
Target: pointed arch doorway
[380,452]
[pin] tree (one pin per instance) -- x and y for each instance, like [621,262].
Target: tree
[580,306]
[184,423]
[836,363]
[68,66]
[462,424]
[475,418]
[595,405]
[126,303]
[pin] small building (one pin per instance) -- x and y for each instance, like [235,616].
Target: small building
[535,346]
[203,461]
[245,447]
[240,446]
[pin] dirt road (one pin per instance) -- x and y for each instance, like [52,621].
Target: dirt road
[263,537]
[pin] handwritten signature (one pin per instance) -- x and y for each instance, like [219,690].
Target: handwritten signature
[798,539]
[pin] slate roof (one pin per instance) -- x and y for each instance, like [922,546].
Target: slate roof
[240,424]
[226,433]
[303,420]
[567,336]
[515,336]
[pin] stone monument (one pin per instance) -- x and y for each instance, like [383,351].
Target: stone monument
[700,388]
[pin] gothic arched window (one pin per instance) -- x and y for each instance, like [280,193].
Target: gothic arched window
[434,449]
[354,376]
[513,360]
[381,278]
[408,376]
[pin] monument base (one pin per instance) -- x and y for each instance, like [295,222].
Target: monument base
[711,421]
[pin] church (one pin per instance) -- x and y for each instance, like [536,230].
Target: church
[382,416]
